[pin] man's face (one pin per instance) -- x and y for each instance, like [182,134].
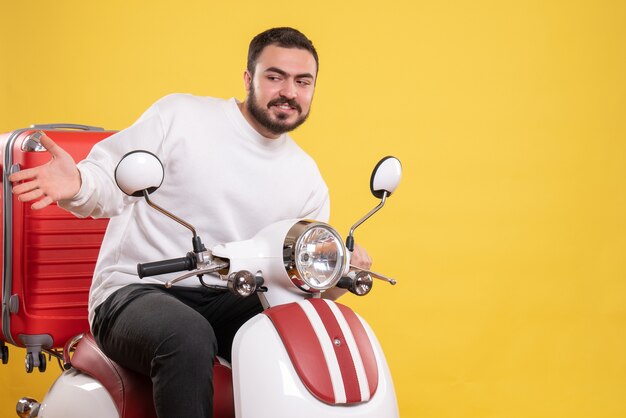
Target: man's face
[280,91]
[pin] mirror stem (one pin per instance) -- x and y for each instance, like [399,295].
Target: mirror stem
[350,239]
[169,215]
[198,247]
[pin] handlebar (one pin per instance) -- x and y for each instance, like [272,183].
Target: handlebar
[167,266]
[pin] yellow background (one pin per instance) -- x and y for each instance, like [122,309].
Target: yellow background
[508,232]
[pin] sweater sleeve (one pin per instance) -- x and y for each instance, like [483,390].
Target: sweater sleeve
[317,206]
[321,210]
[99,196]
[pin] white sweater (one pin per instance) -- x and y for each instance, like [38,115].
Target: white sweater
[221,176]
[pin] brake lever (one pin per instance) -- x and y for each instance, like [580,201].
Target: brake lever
[375,275]
[211,268]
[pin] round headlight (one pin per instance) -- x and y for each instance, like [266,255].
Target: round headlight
[315,256]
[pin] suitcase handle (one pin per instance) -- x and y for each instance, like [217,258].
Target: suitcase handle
[66,126]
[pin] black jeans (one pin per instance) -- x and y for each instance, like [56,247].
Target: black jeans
[172,335]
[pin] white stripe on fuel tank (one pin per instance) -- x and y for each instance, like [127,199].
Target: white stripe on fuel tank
[354,351]
[327,348]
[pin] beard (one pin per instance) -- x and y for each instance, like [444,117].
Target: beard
[276,125]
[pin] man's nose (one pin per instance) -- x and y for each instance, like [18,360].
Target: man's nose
[288,91]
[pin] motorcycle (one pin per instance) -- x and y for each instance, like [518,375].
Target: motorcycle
[304,356]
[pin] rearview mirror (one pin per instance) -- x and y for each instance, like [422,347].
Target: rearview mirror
[138,171]
[386,177]
[384,180]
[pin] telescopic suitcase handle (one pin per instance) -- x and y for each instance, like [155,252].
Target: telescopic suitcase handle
[32,143]
[67,126]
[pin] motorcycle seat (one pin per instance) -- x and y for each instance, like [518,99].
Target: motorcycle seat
[132,392]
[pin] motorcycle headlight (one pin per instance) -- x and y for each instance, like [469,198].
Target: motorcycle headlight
[314,256]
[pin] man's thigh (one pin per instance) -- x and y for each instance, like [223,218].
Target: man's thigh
[138,320]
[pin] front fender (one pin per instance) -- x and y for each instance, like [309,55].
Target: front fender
[267,384]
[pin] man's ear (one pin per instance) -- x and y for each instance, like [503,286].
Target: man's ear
[247,80]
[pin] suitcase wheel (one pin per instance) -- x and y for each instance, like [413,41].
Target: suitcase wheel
[42,362]
[30,362]
[5,354]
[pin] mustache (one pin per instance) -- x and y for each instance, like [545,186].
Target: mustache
[283,100]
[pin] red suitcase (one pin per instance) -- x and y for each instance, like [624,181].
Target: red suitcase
[48,256]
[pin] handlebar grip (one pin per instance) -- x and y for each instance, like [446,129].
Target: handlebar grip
[166,266]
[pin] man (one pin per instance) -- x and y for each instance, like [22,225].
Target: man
[230,170]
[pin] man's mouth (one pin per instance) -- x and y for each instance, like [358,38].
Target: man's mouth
[285,105]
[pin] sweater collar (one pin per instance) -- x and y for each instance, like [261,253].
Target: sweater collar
[247,130]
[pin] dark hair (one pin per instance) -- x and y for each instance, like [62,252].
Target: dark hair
[284,37]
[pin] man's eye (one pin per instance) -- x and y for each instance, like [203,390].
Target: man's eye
[304,82]
[273,78]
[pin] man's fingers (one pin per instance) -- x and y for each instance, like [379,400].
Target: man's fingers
[32,195]
[49,144]
[40,204]
[24,187]
[29,173]
[35,194]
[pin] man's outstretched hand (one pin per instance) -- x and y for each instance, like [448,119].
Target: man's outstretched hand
[56,180]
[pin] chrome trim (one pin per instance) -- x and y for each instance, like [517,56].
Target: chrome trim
[68,348]
[27,408]
[289,261]
[242,283]
[350,239]
[32,143]
[362,283]
[7,232]
[378,276]
[66,126]
[146,194]
[213,267]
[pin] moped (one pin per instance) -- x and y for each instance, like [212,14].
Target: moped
[305,356]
